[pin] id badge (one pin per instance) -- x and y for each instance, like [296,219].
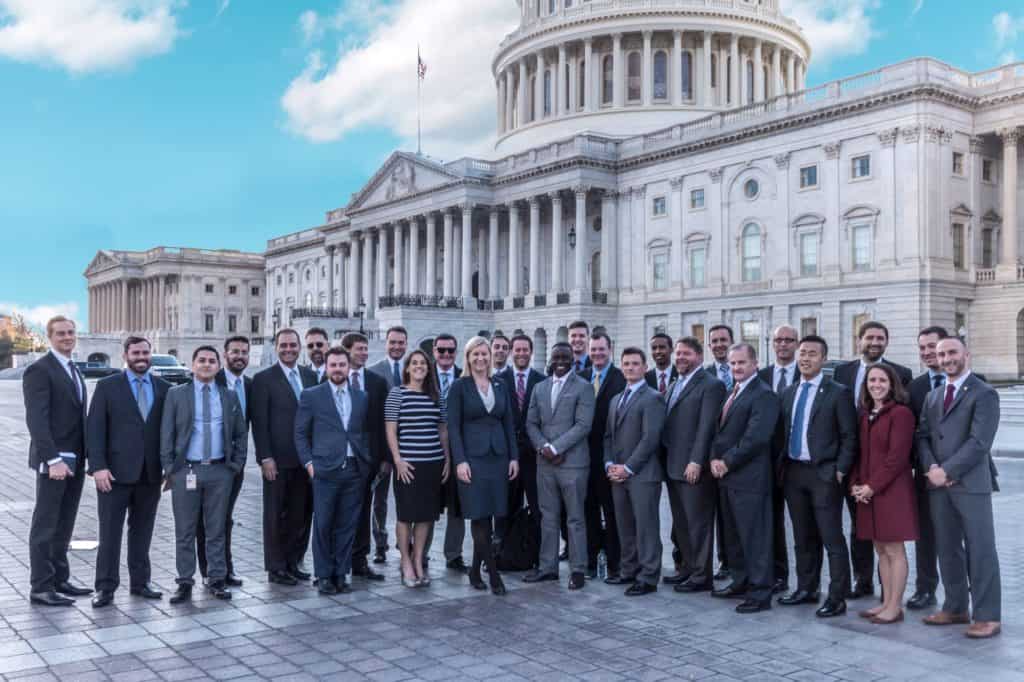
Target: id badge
[191,482]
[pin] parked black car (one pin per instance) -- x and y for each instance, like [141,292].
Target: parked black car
[169,369]
[95,370]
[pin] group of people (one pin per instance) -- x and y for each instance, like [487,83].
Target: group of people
[581,452]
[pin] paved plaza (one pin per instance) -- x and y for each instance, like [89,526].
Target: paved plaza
[383,631]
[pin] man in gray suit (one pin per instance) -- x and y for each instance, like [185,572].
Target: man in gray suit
[558,422]
[203,440]
[631,461]
[957,426]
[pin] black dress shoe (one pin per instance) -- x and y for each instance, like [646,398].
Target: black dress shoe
[861,590]
[342,586]
[799,597]
[780,586]
[723,574]
[678,579]
[219,590]
[380,557]
[535,576]
[619,579]
[753,606]
[232,580]
[71,589]
[921,600]
[693,586]
[148,591]
[729,591]
[497,585]
[457,564]
[50,598]
[299,574]
[831,608]
[591,573]
[367,573]
[577,581]
[640,588]
[564,556]
[282,578]
[102,598]
[326,586]
[476,581]
[182,594]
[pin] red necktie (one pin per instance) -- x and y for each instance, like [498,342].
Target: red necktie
[728,403]
[520,392]
[662,387]
[950,392]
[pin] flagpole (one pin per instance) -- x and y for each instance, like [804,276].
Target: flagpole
[418,127]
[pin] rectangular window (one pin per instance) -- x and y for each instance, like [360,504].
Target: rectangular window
[808,326]
[697,258]
[862,247]
[232,290]
[697,198]
[697,332]
[958,246]
[987,258]
[209,288]
[208,323]
[254,324]
[960,324]
[988,170]
[323,270]
[958,163]
[232,324]
[809,255]
[858,321]
[659,207]
[750,332]
[279,280]
[255,291]
[809,176]
[861,167]
[660,263]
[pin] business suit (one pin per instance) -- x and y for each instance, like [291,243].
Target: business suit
[581,365]
[959,440]
[723,557]
[780,555]
[128,445]
[926,561]
[599,490]
[287,501]
[565,425]
[743,442]
[632,438]
[525,484]
[376,389]
[813,494]
[56,418]
[213,480]
[455,525]
[692,411]
[652,378]
[862,552]
[342,462]
[379,519]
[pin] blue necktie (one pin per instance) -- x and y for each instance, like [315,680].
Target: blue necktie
[395,374]
[725,375]
[141,398]
[296,386]
[240,390]
[796,434]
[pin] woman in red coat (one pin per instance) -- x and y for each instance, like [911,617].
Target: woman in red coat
[883,485]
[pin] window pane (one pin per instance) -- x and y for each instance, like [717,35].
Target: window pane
[633,79]
[607,84]
[659,206]
[581,96]
[751,253]
[660,262]
[958,163]
[986,248]
[750,332]
[958,246]
[862,247]
[697,267]
[697,198]
[808,326]
[686,71]
[547,92]
[808,255]
[660,75]
[808,176]
[750,82]
[861,166]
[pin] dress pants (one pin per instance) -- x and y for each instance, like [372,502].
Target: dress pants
[637,505]
[559,488]
[236,487]
[747,524]
[53,522]
[780,554]
[862,552]
[816,509]
[926,561]
[139,501]
[601,533]
[287,518]
[693,520]
[720,534]
[338,502]
[523,486]
[210,497]
[454,534]
[379,522]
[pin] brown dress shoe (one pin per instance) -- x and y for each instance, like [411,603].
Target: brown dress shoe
[983,629]
[946,618]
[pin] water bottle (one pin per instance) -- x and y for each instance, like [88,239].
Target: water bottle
[602,565]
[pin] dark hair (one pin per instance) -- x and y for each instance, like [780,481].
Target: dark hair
[521,337]
[751,351]
[693,343]
[814,338]
[208,349]
[429,381]
[132,340]
[871,324]
[726,327]
[287,330]
[312,331]
[444,336]
[937,330]
[662,335]
[337,350]
[352,338]
[576,324]
[397,328]
[502,337]
[634,350]
[235,339]
[897,393]
[601,335]
[562,345]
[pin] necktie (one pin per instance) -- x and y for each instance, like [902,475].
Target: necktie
[796,434]
[396,375]
[240,391]
[781,386]
[728,403]
[597,383]
[77,379]
[338,399]
[937,381]
[141,398]
[444,385]
[354,378]
[677,387]
[521,391]
[623,402]
[578,366]
[725,375]
[293,378]
[950,392]
[662,384]
[556,388]
[207,428]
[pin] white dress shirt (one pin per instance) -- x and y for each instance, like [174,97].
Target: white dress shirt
[790,372]
[345,413]
[862,370]
[362,377]
[805,453]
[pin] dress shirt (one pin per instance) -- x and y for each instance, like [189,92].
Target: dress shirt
[680,384]
[932,374]
[627,395]
[232,381]
[805,453]
[361,380]
[320,371]
[195,442]
[147,386]
[391,368]
[662,375]
[862,370]
[499,370]
[66,363]
[343,403]
[724,372]
[601,373]
[557,384]
[579,364]
[791,372]
[957,383]
[441,373]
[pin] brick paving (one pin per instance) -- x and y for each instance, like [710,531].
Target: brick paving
[383,631]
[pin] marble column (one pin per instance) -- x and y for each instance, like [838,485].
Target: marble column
[538,88]
[776,87]
[509,98]
[1008,256]
[790,73]
[399,269]
[467,251]
[161,303]
[557,240]
[535,246]
[483,273]
[366,295]
[500,88]
[734,71]
[706,92]
[582,244]
[330,276]
[354,251]
[430,286]
[675,72]
[589,98]
[414,257]
[523,99]
[559,80]
[618,85]
[647,85]
[125,307]
[758,71]
[513,249]
[492,255]
[609,216]
[382,262]
[449,255]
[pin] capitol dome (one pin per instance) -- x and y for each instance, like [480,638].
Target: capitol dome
[626,67]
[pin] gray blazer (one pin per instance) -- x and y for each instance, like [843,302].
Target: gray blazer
[633,434]
[565,425]
[960,441]
[691,422]
[176,428]
[383,369]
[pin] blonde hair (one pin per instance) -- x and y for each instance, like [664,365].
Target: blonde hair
[55,320]
[472,345]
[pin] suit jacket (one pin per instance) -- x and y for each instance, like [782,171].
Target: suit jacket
[273,414]
[587,364]
[712,369]
[474,432]
[919,389]
[533,377]
[376,389]
[566,424]
[53,411]
[652,377]
[767,375]
[633,434]
[119,439]
[383,370]
[960,440]
[179,419]
[743,440]
[832,428]
[690,423]
[321,439]
[222,380]
[614,382]
[846,374]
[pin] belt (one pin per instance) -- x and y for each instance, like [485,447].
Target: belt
[801,462]
[201,463]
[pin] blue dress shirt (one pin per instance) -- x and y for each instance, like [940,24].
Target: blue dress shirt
[195,442]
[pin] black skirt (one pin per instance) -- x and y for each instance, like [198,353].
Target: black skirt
[421,500]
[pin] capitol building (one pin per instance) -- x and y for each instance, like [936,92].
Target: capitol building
[662,165]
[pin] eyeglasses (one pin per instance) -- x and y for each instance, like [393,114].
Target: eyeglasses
[316,344]
[784,339]
[444,351]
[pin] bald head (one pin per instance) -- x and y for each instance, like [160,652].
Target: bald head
[784,341]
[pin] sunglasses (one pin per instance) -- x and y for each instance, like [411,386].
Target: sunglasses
[445,351]
[317,344]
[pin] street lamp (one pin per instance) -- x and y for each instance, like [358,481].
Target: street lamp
[572,237]
[361,314]
[276,319]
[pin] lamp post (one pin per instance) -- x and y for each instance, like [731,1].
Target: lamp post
[572,237]
[276,319]
[360,314]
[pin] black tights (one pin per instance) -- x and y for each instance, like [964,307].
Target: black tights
[483,550]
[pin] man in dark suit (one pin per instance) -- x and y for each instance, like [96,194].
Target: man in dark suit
[818,452]
[316,345]
[954,442]
[779,376]
[232,377]
[445,349]
[55,399]
[203,442]
[741,460]
[335,450]
[693,407]
[720,340]
[287,494]
[872,339]
[661,376]
[123,449]
[602,533]
[633,466]
[376,389]
[579,340]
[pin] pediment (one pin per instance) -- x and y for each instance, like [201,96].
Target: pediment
[101,261]
[401,175]
[962,210]
[992,217]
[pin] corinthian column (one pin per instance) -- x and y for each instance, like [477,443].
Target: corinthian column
[581,239]
[414,256]
[493,280]
[1009,257]
[430,288]
[449,255]
[556,243]
[467,251]
[534,246]
[513,249]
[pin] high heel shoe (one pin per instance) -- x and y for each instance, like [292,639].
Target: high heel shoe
[410,582]
[886,621]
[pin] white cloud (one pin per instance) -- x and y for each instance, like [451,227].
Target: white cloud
[37,315]
[87,35]
[918,6]
[1007,28]
[835,28]
[224,4]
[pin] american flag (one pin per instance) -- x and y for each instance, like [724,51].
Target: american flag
[421,66]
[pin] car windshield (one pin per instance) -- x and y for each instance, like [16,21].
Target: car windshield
[165,361]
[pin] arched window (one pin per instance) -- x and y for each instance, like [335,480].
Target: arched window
[581,97]
[765,80]
[750,82]
[515,108]
[607,80]
[531,95]
[751,252]
[309,300]
[660,75]
[567,79]
[714,70]
[547,92]
[686,73]
[634,80]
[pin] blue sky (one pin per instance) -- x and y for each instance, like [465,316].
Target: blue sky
[221,123]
